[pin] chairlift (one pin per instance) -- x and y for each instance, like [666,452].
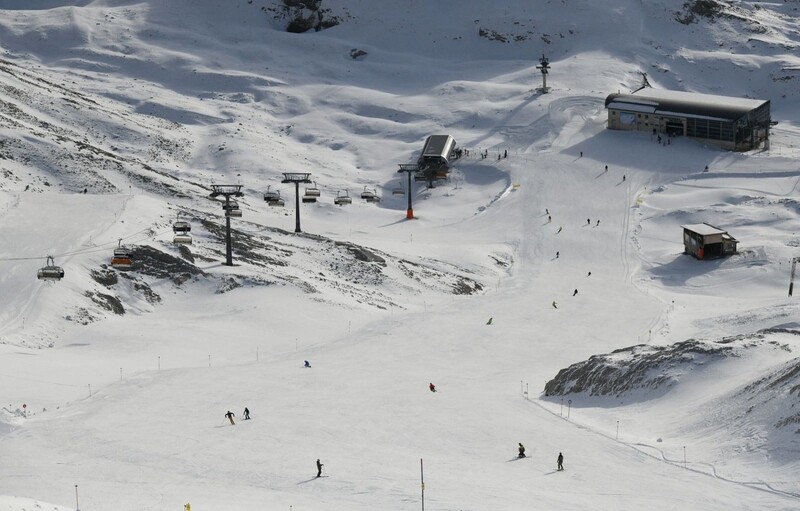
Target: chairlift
[271,195]
[50,271]
[399,190]
[232,209]
[368,194]
[277,201]
[313,191]
[182,239]
[181,227]
[342,199]
[122,258]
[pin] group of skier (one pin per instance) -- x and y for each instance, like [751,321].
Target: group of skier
[559,460]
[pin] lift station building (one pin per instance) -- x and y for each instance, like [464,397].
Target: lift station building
[737,124]
[704,241]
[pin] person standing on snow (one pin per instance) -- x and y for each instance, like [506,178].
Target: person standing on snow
[230,417]
[575,293]
[432,387]
[521,451]
[246,414]
[560,461]
[319,468]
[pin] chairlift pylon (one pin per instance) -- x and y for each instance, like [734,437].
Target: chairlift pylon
[50,271]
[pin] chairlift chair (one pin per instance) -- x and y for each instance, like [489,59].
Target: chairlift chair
[181,227]
[122,258]
[308,198]
[232,209]
[50,271]
[313,191]
[368,194]
[399,190]
[271,195]
[342,199]
[277,201]
[182,239]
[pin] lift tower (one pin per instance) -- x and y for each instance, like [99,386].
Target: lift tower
[227,191]
[544,67]
[296,178]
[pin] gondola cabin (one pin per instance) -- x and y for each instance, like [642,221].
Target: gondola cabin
[50,271]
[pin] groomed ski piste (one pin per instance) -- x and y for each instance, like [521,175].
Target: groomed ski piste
[144,104]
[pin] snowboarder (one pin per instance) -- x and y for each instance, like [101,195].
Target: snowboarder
[319,468]
[555,305]
[432,387]
[560,461]
[246,414]
[575,293]
[230,417]
[306,363]
[521,451]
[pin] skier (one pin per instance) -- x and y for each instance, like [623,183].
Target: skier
[546,211]
[490,321]
[560,461]
[230,417]
[575,293]
[623,178]
[555,306]
[598,223]
[581,154]
[319,468]
[432,387]
[505,153]
[549,219]
[588,221]
[306,363]
[589,274]
[521,451]
[557,251]
[559,230]
[246,414]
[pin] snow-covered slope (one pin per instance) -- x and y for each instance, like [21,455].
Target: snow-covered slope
[117,115]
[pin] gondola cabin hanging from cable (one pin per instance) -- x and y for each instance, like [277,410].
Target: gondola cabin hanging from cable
[122,259]
[50,271]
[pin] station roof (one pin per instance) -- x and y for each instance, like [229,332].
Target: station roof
[704,229]
[684,104]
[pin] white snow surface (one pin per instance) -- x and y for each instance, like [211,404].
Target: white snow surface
[146,103]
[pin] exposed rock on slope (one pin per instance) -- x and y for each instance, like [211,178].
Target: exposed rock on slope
[643,367]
